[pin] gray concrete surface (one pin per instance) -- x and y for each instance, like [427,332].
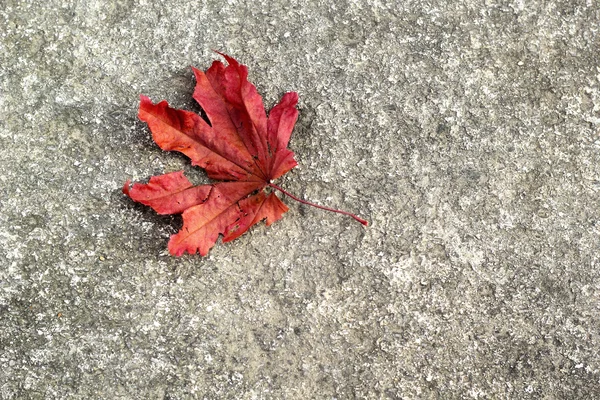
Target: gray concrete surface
[466,132]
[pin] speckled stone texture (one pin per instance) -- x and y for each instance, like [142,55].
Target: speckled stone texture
[466,132]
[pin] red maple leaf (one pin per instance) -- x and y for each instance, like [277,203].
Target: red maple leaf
[239,145]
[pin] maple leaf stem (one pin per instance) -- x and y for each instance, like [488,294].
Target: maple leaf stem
[362,221]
